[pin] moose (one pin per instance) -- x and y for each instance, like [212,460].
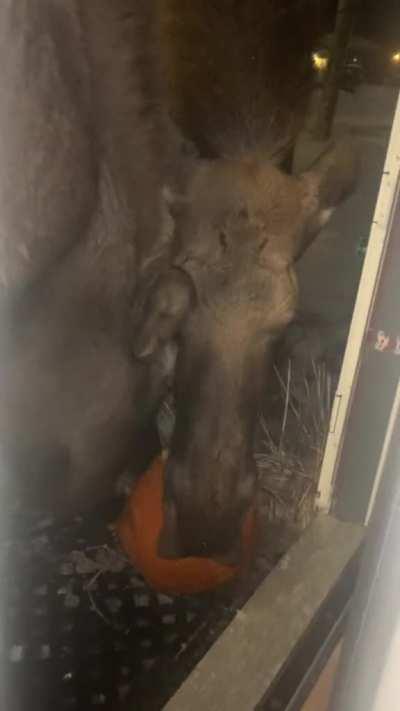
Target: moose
[126,264]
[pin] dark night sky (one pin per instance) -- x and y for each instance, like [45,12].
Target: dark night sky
[378,20]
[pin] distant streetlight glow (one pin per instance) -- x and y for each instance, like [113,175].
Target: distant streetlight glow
[320,62]
[396,57]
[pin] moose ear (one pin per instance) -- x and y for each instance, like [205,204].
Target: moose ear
[331,179]
[164,311]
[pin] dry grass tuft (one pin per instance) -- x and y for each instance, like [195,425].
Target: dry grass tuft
[289,464]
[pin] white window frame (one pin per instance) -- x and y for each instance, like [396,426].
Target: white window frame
[379,235]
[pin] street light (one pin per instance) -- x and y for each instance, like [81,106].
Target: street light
[320,61]
[396,57]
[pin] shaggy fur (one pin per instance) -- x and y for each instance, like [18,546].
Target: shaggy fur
[83,164]
[239,71]
[84,150]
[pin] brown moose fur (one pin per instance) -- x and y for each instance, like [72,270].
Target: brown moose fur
[238,71]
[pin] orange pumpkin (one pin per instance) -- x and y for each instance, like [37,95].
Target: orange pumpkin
[139,528]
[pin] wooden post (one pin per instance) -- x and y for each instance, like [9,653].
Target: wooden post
[343,28]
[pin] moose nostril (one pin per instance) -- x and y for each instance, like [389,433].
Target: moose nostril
[218,455]
[223,240]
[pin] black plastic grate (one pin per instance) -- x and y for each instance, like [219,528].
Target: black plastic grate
[82,631]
